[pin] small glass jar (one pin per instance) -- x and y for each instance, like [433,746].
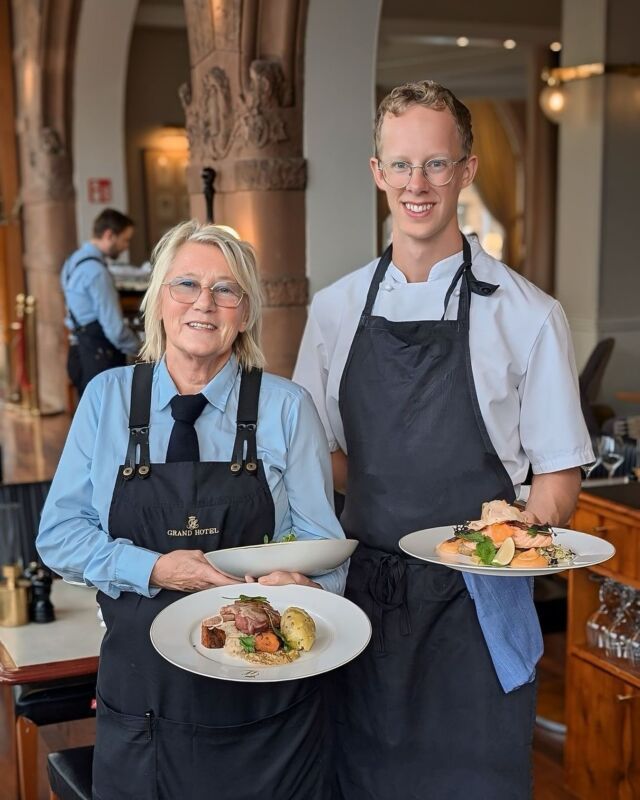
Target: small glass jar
[600,622]
[624,626]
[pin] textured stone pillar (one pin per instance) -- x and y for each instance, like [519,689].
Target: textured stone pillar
[44,33]
[243,112]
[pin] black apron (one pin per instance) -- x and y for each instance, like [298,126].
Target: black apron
[164,733]
[421,713]
[93,353]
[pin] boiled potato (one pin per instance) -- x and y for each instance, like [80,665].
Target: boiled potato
[298,628]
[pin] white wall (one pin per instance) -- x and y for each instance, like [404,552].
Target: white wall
[339,105]
[102,55]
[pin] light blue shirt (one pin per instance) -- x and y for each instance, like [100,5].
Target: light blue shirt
[74,537]
[90,294]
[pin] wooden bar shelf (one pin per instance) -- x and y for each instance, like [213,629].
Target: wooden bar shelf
[602,747]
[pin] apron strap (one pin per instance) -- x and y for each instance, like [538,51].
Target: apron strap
[379,274]
[246,423]
[471,284]
[76,325]
[139,423]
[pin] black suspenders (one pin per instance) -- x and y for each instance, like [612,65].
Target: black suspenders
[245,452]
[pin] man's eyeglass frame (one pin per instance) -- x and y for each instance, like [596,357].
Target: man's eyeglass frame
[422,167]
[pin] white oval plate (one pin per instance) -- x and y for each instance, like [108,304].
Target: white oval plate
[343,631]
[308,556]
[589,550]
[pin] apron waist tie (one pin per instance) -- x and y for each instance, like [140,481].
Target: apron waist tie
[388,590]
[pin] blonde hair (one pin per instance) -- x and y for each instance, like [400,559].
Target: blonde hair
[241,259]
[428,94]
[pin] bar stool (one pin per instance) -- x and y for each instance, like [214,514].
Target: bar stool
[70,773]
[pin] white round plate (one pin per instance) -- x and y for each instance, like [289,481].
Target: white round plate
[589,550]
[308,556]
[343,631]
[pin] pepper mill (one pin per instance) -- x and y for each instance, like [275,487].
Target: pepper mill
[14,597]
[41,607]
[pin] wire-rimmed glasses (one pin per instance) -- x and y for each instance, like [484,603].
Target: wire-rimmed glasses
[437,171]
[225,294]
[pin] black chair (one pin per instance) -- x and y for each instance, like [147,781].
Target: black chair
[590,380]
[70,773]
[47,702]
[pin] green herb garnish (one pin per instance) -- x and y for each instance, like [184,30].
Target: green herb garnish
[472,536]
[486,551]
[290,537]
[250,598]
[248,643]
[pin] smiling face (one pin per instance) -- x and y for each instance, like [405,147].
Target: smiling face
[200,333]
[423,215]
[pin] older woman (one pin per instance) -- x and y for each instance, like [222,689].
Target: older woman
[192,451]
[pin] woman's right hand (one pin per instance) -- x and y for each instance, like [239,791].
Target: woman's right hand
[187,571]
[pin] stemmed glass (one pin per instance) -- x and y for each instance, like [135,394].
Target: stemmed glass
[611,453]
[602,620]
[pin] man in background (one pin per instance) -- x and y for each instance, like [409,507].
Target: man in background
[100,338]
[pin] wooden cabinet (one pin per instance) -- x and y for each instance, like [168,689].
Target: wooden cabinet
[602,749]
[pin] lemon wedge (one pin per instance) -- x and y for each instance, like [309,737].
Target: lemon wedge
[506,553]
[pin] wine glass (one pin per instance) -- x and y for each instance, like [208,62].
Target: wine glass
[602,620]
[611,452]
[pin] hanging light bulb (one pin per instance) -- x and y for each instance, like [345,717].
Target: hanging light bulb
[553,101]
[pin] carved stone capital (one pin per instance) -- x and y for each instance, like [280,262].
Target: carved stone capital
[278,292]
[265,174]
[219,124]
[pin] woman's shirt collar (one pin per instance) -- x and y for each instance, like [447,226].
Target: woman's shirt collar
[217,391]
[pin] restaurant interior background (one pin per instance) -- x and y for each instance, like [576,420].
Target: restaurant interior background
[124,103]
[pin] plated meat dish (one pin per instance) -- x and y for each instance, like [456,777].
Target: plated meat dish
[251,629]
[503,538]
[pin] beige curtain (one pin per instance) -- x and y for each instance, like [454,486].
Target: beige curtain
[499,174]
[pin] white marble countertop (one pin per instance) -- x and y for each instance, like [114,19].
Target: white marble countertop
[75,634]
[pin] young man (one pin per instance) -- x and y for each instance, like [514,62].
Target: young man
[440,375]
[99,338]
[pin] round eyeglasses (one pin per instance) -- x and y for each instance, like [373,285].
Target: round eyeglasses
[437,171]
[186,290]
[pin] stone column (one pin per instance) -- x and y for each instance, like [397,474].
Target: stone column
[243,112]
[597,275]
[44,32]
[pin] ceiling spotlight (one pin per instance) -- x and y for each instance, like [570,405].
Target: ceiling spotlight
[556,47]
[509,44]
[462,41]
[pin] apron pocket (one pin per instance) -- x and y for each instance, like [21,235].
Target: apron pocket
[124,761]
[281,756]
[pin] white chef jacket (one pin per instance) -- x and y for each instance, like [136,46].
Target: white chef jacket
[521,355]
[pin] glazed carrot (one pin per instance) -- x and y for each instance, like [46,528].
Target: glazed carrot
[267,642]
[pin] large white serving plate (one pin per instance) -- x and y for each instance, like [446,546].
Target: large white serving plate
[308,556]
[343,631]
[589,550]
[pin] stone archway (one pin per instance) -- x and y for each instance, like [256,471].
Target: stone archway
[244,116]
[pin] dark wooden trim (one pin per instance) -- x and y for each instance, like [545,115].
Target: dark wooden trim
[48,672]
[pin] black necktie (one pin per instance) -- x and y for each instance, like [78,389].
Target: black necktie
[183,443]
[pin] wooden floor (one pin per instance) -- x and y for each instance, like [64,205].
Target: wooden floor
[31,447]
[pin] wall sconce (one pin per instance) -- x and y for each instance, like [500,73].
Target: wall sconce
[553,98]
